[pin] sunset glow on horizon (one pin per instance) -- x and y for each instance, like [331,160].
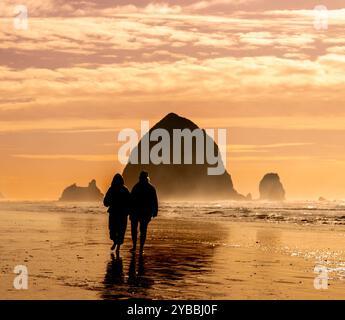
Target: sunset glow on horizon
[83,71]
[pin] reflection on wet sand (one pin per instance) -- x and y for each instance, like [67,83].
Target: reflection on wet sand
[68,258]
[166,269]
[117,286]
[138,281]
[114,274]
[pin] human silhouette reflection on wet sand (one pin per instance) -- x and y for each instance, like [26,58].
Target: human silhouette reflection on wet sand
[148,275]
[171,268]
[136,284]
[136,273]
[114,277]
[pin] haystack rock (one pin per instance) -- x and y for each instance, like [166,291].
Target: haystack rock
[271,188]
[181,181]
[75,193]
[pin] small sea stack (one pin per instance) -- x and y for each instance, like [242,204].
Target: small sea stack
[76,193]
[271,188]
[249,197]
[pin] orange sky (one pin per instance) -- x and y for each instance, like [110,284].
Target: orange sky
[82,71]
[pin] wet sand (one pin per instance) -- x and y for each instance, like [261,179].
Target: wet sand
[68,257]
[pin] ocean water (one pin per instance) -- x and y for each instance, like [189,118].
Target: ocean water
[299,212]
[194,260]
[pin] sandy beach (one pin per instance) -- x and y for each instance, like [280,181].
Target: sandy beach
[68,257]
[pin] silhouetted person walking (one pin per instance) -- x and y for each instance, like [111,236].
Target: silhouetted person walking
[144,207]
[118,200]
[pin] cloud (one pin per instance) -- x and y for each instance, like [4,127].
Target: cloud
[61,8]
[248,148]
[270,158]
[202,5]
[337,50]
[227,79]
[76,157]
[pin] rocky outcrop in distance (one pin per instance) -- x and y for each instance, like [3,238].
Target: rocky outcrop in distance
[76,193]
[271,188]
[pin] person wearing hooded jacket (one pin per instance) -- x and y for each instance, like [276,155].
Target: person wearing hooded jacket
[117,199]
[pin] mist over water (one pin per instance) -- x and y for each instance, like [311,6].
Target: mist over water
[300,212]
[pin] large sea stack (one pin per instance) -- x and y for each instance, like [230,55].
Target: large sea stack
[181,181]
[75,193]
[271,188]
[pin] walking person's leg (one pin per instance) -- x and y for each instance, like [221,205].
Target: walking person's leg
[112,232]
[134,231]
[117,247]
[118,251]
[143,232]
[121,234]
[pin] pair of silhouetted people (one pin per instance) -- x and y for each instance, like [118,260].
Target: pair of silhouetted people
[141,205]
